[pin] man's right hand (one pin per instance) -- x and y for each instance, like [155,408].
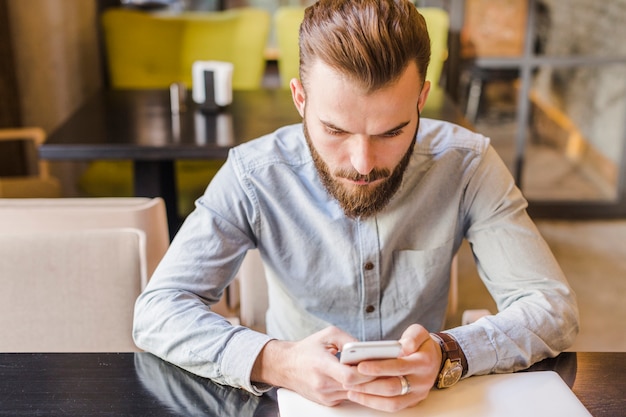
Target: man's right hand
[309,366]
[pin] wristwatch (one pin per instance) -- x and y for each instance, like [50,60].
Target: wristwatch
[452,361]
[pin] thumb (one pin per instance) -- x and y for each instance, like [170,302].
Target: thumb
[413,338]
[334,339]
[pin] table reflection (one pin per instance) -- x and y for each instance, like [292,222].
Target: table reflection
[187,394]
[218,126]
[140,384]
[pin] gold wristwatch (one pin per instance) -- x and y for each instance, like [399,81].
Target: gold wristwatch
[451,363]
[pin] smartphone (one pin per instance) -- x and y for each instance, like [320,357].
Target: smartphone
[355,352]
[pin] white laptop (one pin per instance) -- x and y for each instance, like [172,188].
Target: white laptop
[534,394]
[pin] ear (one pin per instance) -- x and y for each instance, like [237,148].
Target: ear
[423,95]
[297,93]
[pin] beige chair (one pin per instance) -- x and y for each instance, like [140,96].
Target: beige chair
[70,291]
[35,180]
[253,302]
[64,214]
[146,214]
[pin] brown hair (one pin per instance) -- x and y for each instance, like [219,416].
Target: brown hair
[371,41]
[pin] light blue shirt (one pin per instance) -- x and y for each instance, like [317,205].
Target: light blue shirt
[370,277]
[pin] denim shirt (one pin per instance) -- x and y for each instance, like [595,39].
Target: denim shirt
[371,277]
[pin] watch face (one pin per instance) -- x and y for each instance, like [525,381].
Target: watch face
[450,374]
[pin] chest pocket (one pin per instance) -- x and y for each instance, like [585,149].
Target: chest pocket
[419,277]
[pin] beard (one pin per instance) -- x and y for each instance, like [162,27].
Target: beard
[361,201]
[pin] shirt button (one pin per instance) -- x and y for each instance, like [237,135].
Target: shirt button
[369,266]
[370,309]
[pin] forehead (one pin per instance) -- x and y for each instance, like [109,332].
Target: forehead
[334,97]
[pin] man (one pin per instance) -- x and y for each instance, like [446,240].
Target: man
[357,214]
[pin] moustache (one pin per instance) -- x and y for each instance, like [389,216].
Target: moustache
[352,175]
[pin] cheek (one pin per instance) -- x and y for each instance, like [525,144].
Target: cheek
[387,153]
[331,153]
[332,150]
[394,152]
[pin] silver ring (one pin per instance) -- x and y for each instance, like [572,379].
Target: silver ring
[406,387]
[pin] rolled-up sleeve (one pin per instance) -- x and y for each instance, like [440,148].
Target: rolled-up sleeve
[538,313]
[173,317]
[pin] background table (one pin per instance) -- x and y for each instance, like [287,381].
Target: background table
[138,125]
[139,384]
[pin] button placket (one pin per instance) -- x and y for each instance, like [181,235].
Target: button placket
[370,252]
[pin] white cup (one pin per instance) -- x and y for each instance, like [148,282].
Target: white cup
[212,84]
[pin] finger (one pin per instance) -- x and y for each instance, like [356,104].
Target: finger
[326,398]
[330,399]
[388,404]
[392,396]
[419,356]
[331,339]
[413,338]
[384,367]
[334,338]
[349,375]
[382,387]
[320,382]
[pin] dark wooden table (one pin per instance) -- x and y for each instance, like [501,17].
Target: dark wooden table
[138,125]
[139,384]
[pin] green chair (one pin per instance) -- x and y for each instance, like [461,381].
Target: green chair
[287,21]
[153,50]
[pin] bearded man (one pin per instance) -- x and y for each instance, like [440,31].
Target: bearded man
[357,213]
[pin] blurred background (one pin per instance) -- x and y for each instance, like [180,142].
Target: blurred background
[544,79]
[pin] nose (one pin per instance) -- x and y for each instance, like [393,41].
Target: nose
[362,155]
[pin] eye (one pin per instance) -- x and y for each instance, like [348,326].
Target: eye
[392,134]
[334,132]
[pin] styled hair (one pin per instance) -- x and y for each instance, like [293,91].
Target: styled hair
[370,41]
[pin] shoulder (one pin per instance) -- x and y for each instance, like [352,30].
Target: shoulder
[436,136]
[284,147]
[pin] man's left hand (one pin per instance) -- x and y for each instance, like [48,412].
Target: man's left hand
[418,363]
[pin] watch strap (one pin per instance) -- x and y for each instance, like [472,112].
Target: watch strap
[450,349]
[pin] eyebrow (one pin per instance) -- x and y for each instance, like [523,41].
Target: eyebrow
[393,129]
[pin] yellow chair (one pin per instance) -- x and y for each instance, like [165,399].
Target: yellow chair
[438,23]
[115,179]
[36,180]
[287,21]
[142,51]
[153,50]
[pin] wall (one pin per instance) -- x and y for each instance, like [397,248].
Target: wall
[56,57]
[593,97]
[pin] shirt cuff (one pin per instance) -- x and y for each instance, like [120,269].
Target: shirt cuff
[239,357]
[478,348]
